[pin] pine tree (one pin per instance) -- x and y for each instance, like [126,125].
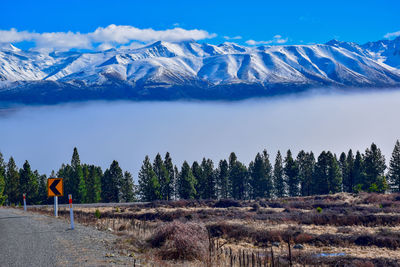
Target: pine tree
[306,163]
[176,174]
[321,175]
[269,186]
[186,183]
[2,180]
[162,176]
[111,183]
[374,164]
[12,182]
[394,168]
[169,187]
[359,172]
[42,195]
[127,188]
[334,175]
[327,176]
[238,178]
[200,183]
[279,180]
[291,174]
[74,181]
[28,183]
[149,187]
[260,176]
[349,179]
[92,176]
[223,179]
[344,170]
[85,175]
[209,188]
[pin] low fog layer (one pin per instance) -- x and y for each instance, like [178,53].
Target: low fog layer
[127,131]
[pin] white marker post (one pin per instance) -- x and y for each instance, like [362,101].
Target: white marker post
[24,196]
[56,206]
[71,211]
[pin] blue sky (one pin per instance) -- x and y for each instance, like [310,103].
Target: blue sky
[275,22]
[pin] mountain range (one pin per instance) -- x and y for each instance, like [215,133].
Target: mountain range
[192,70]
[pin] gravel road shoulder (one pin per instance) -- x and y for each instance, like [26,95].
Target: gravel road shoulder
[31,239]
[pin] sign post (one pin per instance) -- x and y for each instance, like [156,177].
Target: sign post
[55,189]
[71,211]
[56,206]
[24,196]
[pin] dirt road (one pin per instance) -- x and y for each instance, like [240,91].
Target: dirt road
[30,239]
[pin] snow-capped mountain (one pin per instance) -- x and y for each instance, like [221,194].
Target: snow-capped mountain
[167,70]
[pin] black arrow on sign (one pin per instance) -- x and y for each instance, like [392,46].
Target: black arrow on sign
[53,187]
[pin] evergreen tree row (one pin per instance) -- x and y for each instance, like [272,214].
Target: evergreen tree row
[86,183]
[301,175]
[289,175]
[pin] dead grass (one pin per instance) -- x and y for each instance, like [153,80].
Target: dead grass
[366,227]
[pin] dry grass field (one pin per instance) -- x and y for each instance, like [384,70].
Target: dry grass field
[331,230]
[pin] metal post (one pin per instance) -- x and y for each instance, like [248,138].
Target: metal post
[24,196]
[71,211]
[56,206]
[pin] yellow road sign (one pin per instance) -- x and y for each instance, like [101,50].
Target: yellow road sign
[55,187]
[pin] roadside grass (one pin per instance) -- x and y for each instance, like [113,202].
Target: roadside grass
[348,230]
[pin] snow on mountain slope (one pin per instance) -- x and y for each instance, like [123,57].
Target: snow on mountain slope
[167,64]
[383,51]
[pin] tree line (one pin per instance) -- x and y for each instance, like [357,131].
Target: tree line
[288,175]
[86,183]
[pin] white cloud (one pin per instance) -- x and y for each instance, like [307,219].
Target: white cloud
[132,45]
[109,36]
[63,40]
[277,39]
[392,34]
[233,38]
[14,36]
[125,34]
[281,41]
[105,46]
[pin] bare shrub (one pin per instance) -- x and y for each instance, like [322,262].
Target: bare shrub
[226,203]
[240,232]
[377,198]
[275,204]
[360,263]
[392,242]
[170,216]
[303,238]
[179,203]
[180,241]
[255,207]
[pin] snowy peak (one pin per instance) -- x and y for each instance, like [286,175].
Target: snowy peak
[386,51]
[354,47]
[382,51]
[8,47]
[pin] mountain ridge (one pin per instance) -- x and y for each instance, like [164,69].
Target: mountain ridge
[176,70]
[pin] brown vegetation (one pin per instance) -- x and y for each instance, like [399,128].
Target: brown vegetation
[349,230]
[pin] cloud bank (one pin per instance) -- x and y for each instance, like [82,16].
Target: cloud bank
[110,36]
[127,131]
